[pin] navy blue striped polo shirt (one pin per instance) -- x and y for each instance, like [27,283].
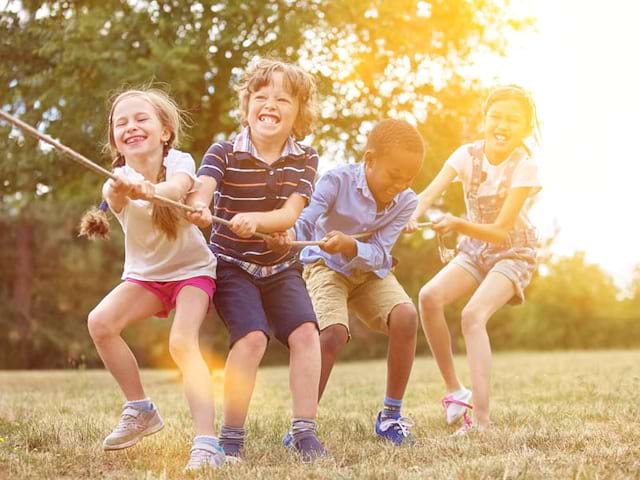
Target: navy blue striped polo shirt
[246,183]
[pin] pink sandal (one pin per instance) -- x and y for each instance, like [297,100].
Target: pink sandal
[456,406]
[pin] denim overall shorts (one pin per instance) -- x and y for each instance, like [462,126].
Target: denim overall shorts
[515,258]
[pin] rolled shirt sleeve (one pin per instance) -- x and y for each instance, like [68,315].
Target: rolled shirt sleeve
[321,202]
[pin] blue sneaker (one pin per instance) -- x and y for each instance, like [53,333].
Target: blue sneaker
[287,441]
[395,430]
[308,446]
[232,449]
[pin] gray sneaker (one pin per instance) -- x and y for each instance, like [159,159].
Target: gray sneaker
[205,456]
[134,424]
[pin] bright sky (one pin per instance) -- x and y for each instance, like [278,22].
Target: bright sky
[582,68]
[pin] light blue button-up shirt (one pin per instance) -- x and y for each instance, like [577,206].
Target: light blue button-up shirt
[342,201]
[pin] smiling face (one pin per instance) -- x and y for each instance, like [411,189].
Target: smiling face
[390,173]
[506,125]
[272,112]
[136,129]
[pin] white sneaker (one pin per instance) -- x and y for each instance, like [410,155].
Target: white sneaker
[456,404]
[134,425]
[205,456]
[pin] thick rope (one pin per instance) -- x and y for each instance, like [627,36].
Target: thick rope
[357,236]
[94,167]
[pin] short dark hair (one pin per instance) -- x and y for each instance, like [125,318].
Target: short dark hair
[391,134]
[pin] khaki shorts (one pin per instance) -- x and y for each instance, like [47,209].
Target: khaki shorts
[368,296]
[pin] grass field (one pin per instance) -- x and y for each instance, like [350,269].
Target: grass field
[557,415]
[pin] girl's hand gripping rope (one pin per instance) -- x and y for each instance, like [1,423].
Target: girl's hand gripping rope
[144,190]
[202,217]
[119,186]
[445,224]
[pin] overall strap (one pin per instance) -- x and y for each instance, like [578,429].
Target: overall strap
[476,151]
[505,182]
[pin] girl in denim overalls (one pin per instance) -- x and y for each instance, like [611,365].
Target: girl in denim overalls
[497,254]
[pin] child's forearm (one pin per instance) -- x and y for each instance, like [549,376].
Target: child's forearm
[176,187]
[281,219]
[115,200]
[425,200]
[437,186]
[204,194]
[498,231]
[486,232]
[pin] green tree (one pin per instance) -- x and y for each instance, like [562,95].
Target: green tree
[571,304]
[62,59]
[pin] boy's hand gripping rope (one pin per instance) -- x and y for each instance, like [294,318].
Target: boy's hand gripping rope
[94,167]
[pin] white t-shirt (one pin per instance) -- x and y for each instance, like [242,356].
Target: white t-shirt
[524,175]
[149,254]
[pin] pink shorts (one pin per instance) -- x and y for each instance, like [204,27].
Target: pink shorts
[167,292]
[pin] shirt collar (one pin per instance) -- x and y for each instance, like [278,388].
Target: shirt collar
[243,143]
[361,179]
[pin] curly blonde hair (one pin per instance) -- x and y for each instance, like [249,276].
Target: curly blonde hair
[298,82]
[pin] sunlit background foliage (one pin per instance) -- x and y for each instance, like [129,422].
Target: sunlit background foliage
[61,61]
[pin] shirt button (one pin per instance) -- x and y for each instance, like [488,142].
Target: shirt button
[271,172]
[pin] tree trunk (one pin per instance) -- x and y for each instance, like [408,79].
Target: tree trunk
[23,287]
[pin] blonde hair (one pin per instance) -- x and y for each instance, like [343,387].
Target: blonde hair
[298,82]
[94,223]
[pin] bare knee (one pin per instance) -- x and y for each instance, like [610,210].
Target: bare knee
[431,299]
[403,321]
[182,346]
[333,339]
[252,345]
[473,321]
[101,325]
[304,337]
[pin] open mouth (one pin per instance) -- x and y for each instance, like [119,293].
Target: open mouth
[135,140]
[501,138]
[270,119]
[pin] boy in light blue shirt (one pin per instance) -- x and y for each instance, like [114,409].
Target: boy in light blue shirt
[345,274]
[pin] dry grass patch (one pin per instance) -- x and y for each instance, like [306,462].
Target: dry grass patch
[557,415]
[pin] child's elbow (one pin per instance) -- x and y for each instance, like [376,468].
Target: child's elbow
[289,217]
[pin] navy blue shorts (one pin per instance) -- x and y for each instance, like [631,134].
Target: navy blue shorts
[278,303]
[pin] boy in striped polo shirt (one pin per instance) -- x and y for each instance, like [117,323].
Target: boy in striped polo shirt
[262,180]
